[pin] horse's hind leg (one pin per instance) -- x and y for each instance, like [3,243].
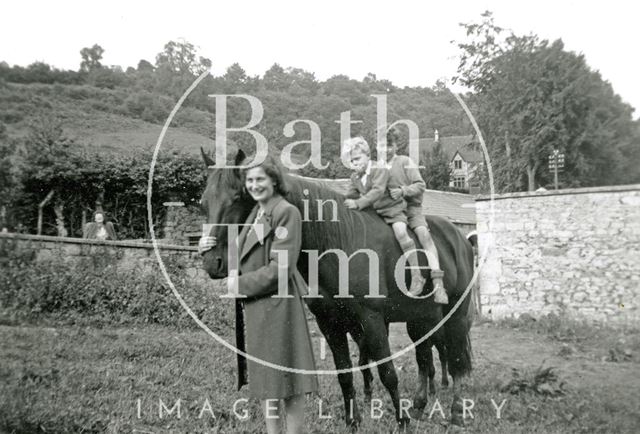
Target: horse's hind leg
[336,337]
[442,355]
[430,367]
[458,351]
[426,370]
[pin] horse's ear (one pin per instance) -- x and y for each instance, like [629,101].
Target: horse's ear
[208,161]
[240,157]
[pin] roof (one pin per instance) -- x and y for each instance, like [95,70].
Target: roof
[457,207]
[466,146]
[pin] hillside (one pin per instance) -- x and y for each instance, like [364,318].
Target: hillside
[97,118]
[129,112]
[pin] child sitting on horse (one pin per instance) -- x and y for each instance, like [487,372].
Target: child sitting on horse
[406,182]
[369,189]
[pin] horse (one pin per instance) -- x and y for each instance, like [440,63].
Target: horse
[224,202]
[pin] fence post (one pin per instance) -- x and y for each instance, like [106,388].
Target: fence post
[40,207]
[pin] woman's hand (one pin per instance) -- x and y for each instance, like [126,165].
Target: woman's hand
[229,280]
[351,204]
[206,243]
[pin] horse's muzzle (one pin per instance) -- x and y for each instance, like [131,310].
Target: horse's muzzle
[214,265]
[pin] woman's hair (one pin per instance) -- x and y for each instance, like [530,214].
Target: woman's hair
[273,170]
[355,144]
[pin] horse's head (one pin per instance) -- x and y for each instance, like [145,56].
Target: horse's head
[223,202]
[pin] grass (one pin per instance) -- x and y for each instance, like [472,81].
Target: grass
[84,379]
[97,119]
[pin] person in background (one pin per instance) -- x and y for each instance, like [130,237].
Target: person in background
[99,229]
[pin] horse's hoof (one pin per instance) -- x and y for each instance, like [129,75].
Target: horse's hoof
[457,420]
[354,424]
[455,429]
[403,423]
[416,413]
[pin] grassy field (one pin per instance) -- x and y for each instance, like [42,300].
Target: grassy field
[79,379]
[91,117]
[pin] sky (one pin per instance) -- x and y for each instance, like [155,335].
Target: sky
[407,42]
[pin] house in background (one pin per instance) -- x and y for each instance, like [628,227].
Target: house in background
[465,159]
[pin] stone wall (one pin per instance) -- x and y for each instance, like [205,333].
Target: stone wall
[572,252]
[183,224]
[125,255]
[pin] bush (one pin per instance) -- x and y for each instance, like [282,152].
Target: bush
[59,292]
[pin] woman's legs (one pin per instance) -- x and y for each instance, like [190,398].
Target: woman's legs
[271,410]
[294,409]
[407,244]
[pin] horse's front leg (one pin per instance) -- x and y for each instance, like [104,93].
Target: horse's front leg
[367,376]
[357,333]
[336,337]
[377,342]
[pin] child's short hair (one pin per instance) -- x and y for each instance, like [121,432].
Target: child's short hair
[393,136]
[355,144]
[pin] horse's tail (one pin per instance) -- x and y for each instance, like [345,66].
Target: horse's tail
[459,325]
[458,341]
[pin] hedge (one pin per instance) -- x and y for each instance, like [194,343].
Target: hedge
[61,293]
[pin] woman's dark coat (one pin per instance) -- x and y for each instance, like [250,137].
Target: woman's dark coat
[270,328]
[91,229]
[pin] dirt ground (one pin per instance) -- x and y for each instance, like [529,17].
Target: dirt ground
[509,348]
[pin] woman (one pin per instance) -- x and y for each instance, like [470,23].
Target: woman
[275,328]
[99,229]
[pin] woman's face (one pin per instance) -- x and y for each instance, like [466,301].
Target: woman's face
[259,185]
[99,218]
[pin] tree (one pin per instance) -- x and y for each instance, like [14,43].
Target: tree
[7,175]
[182,58]
[276,78]
[145,65]
[437,170]
[235,79]
[91,58]
[534,97]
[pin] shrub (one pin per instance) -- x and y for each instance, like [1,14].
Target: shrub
[100,294]
[542,381]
